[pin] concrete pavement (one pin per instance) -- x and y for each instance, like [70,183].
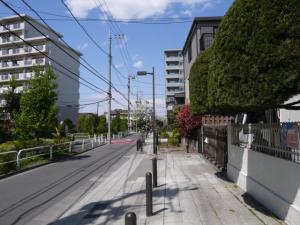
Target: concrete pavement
[190,191]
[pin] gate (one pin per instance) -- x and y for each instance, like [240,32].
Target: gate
[214,142]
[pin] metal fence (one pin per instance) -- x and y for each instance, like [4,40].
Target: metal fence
[14,160]
[277,140]
[214,144]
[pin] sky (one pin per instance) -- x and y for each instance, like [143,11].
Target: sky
[135,46]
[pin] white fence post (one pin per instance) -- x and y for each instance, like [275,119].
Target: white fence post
[51,153]
[82,146]
[92,143]
[18,160]
[70,147]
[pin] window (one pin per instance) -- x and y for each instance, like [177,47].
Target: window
[5,51]
[15,38]
[190,53]
[5,38]
[4,77]
[15,63]
[15,76]
[27,48]
[16,25]
[28,61]
[16,50]
[5,63]
[206,41]
[39,61]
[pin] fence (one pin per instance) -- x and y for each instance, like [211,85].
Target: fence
[273,139]
[13,160]
[214,144]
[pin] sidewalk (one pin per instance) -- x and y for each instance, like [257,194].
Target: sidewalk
[190,191]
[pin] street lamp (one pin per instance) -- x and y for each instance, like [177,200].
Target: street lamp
[144,73]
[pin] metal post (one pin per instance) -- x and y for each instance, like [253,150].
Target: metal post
[51,153]
[82,146]
[153,113]
[109,88]
[18,160]
[128,113]
[70,147]
[92,143]
[154,171]
[148,194]
[130,218]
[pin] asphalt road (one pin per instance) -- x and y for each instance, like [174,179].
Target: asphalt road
[26,195]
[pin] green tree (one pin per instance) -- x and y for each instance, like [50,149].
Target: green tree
[38,111]
[12,99]
[123,125]
[86,123]
[198,81]
[101,125]
[256,54]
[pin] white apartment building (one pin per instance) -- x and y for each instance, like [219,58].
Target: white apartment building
[17,59]
[174,78]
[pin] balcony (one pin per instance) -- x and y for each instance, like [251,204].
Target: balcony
[175,84]
[12,27]
[173,59]
[8,53]
[174,67]
[17,76]
[22,64]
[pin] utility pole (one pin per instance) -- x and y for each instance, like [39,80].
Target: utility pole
[109,88]
[128,112]
[97,108]
[153,116]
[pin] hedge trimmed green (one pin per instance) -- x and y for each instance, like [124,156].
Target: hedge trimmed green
[255,64]
[198,81]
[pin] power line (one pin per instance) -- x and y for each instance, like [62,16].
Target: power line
[54,42]
[148,20]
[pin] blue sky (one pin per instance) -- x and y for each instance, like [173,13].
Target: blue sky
[145,43]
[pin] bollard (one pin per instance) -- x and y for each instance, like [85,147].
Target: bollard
[82,146]
[148,194]
[154,171]
[130,218]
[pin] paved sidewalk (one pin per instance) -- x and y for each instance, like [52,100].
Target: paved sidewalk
[190,191]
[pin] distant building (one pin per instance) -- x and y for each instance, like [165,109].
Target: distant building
[17,59]
[200,38]
[174,79]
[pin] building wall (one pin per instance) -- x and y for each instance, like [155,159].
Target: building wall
[175,81]
[272,181]
[290,115]
[68,88]
[193,44]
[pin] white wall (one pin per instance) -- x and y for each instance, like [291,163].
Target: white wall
[272,181]
[290,115]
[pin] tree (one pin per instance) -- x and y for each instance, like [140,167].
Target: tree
[198,81]
[86,123]
[101,125]
[172,123]
[12,99]
[38,111]
[256,54]
[187,122]
[119,125]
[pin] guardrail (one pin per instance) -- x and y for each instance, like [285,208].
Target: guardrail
[15,158]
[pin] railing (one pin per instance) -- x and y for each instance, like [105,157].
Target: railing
[214,144]
[13,160]
[272,139]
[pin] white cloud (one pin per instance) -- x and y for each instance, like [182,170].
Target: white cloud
[138,64]
[119,65]
[187,12]
[132,8]
[83,46]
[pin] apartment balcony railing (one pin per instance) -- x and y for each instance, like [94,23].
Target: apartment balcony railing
[12,27]
[18,76]
[23,63]
[22,51]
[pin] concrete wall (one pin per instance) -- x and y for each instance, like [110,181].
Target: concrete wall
[272,181]
[290,115]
